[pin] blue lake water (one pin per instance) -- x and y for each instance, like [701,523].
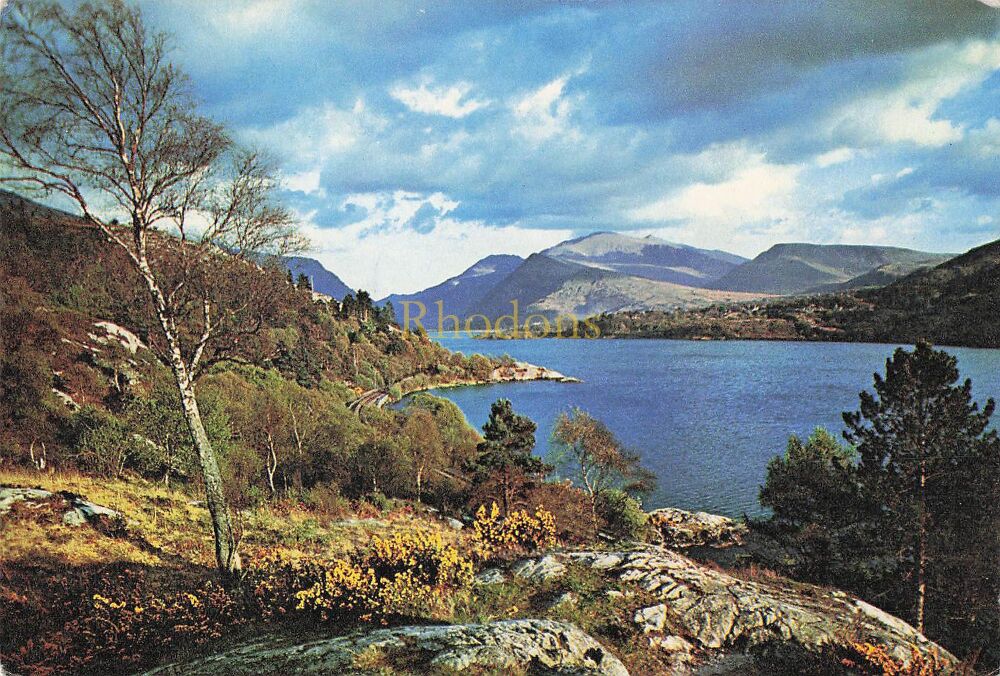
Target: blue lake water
[705,416]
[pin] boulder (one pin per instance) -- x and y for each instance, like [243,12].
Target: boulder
[491,576]
[681,529]
[80,511]
[539,570]
[533,646]
[719,611]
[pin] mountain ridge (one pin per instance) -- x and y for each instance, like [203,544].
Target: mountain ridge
[799,267]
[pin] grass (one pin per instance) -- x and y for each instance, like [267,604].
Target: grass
[168,535]
[171,527]
[606,618]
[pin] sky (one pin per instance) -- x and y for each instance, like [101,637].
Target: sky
[416,137]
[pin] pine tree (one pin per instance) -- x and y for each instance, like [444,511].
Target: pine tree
[927,456]
[505,452]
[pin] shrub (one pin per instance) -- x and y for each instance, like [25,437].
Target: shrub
[406,573]
[123,624]
[566,502]
[870,658]
[326,498]
[621,515]
[520,531]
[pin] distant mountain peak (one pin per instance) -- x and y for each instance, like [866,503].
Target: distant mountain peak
[646,256]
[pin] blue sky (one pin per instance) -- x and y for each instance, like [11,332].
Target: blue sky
[417,137]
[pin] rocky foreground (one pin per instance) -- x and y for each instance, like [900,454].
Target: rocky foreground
[705,621]
[699,618]
[509,646]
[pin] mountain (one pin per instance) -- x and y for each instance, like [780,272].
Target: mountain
[884,275]
[646,257]
[798,268]
[545,285]
[955,303]
[463,291]
[323,281]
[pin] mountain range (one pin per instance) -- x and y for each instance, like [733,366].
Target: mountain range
[786,269]
[609,272]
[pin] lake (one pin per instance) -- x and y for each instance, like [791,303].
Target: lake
[705,416]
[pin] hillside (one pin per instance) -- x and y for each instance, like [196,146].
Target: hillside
[646,257]
[75,336]
[955,303]
[461,293]
[323,281]
[798,268]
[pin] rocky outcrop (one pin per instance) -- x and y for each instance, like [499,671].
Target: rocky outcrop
[681,529]
[535,646]
[521,370]
[77,510]
[708,610]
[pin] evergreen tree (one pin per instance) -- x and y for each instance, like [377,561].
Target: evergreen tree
[348,307]
[505,452]
[820,515]
[304,282]
[925,453]
[291,280]
[364,305]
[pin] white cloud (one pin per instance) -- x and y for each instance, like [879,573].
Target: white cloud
[757,192]
[832,157]
[251,17]
[305,181]
[314,134]
[905,171]
[909,112]
[384,253]
[544,112]
[440,100]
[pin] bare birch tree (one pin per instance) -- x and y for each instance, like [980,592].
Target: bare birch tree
[92,109]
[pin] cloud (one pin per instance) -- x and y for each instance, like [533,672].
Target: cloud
[756,191]
[440,100]
[722,125]
[544,112]
[407,242]
[835,156]
[907,112]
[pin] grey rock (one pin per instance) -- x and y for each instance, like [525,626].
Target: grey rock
[509,645]
[454,523]
[491,576]
[718,611]
[653,618]
[539,570]
[8,496]
[74,517]
[81,511]
[682,529]
[565,600]
[671,644]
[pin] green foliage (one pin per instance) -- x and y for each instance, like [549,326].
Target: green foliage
[821,515]
[586,450]
[505,452]
[621,515]
[929,457]
[912,523]
[104,445]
